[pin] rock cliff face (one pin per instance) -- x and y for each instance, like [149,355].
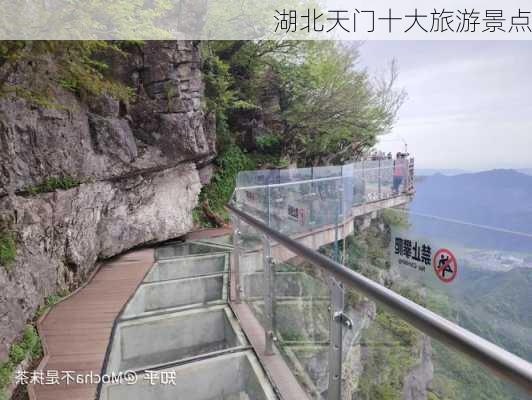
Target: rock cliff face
[419,378]
[139,164]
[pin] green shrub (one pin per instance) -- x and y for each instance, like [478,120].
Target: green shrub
[218,192]
[268,143]
[395,218]
[51,300]
[29,345]
[17,353]
[8,249]
[6,370]
[80,69]
[54,183]
[31,342]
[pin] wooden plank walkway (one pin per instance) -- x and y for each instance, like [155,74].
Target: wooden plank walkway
[75,333]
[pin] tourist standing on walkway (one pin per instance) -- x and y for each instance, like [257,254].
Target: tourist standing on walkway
[399,172]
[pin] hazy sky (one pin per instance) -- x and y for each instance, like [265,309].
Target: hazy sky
[469,104]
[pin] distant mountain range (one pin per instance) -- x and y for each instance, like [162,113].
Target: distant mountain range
[453,172]
[527,171]
[434,171]
[497,198]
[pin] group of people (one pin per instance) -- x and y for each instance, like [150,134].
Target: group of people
[400,166]
[380,155]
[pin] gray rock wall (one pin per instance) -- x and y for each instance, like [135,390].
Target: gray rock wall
[138,162]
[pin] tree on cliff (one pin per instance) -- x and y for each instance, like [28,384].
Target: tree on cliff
[304,103]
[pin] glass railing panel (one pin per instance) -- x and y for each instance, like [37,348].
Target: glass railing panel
[370,175]
[483,283]
[477,277]
[303,207]
[295,175]
[298,200]
[180,249]
[295,208]
[384,357]
[456,376]
[289,298]
[254,200]
[359,186]
[301,321]
[258,178]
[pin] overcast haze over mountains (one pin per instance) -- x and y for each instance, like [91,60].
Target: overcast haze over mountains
[496,198]
[499,198]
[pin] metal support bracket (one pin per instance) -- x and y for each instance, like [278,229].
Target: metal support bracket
[342,318]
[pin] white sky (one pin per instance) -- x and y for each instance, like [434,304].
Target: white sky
[469,103]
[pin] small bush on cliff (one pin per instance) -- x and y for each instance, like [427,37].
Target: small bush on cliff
[8,249]
[51,300]
[79,67]
[395,218]
[217,193]
[54,183]
[28,346]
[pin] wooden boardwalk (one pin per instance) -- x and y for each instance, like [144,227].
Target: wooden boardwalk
[75,333]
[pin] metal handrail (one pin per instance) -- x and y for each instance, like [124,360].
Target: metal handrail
[500,361]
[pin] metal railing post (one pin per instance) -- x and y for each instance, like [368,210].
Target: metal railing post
[336,291]
[336,222]
[235,270]
[269,194]
[364,195]
[269,295]
[379,179]
[337,320]
[411,176]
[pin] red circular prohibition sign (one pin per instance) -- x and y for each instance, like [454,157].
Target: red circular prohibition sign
[445,265]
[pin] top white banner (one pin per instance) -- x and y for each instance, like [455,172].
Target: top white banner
[266,19]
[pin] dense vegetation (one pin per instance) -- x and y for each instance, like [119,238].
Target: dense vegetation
[292,103]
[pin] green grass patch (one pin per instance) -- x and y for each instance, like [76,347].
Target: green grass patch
[39,99]
[51,300]
[28,346]
[8,249]
[80,68]
[54,183]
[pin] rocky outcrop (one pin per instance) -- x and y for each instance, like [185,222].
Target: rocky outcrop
[418,380]
[103,138]
[352,364]
[138,162]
